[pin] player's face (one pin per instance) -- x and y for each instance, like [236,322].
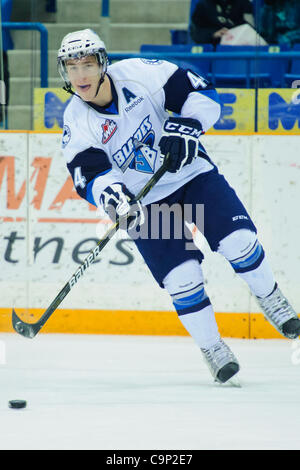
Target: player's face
[84,75]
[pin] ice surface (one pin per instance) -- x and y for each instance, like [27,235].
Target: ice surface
[121,392]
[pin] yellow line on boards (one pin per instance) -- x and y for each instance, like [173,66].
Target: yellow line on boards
[133,322]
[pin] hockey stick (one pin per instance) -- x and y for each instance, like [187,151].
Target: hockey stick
[29,330]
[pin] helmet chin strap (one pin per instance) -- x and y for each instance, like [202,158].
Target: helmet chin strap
[99,85]
[68,89]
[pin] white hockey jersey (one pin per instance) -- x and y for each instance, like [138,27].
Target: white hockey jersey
[99,144]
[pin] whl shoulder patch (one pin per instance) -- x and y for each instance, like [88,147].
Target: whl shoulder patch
[66,136]
[152,61]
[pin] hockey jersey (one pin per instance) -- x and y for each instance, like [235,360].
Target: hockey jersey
[101,145]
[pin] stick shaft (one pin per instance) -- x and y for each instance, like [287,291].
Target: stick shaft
[78,274]
[30,330]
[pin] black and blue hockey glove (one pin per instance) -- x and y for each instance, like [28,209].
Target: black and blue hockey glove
[116,201]
[180,138]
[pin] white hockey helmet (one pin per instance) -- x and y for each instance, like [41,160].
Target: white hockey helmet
[80,44]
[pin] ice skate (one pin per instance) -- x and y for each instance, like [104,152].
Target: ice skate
[221,361]
[278,311]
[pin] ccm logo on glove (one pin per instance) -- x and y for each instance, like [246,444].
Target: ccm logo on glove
[180,140]
[181,128]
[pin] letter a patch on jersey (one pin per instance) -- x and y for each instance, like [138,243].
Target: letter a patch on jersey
[108,130]
[128,94]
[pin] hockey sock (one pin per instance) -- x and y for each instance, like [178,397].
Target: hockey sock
[260,280]
[202,327]
[185,285]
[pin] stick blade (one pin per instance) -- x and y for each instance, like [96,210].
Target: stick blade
[25,329]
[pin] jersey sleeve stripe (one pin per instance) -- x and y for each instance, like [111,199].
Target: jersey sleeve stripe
[181,84]
[89,188]
[177,90]
[85,167]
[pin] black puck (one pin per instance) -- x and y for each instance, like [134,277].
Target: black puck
[17,404]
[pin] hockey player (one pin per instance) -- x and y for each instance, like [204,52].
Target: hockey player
[114,111]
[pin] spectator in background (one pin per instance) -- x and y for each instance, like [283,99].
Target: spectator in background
[51,6]
[6,8]
[280,22]
[213,18]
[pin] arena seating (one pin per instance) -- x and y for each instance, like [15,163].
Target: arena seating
[275,73]
[294,73]
[261,73]
[202,67]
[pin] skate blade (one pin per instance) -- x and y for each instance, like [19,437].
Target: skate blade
[233,382]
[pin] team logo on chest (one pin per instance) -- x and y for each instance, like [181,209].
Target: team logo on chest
[133,154]
[108,130]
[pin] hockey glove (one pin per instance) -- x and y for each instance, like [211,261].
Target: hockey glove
[180,139]
[115,200]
